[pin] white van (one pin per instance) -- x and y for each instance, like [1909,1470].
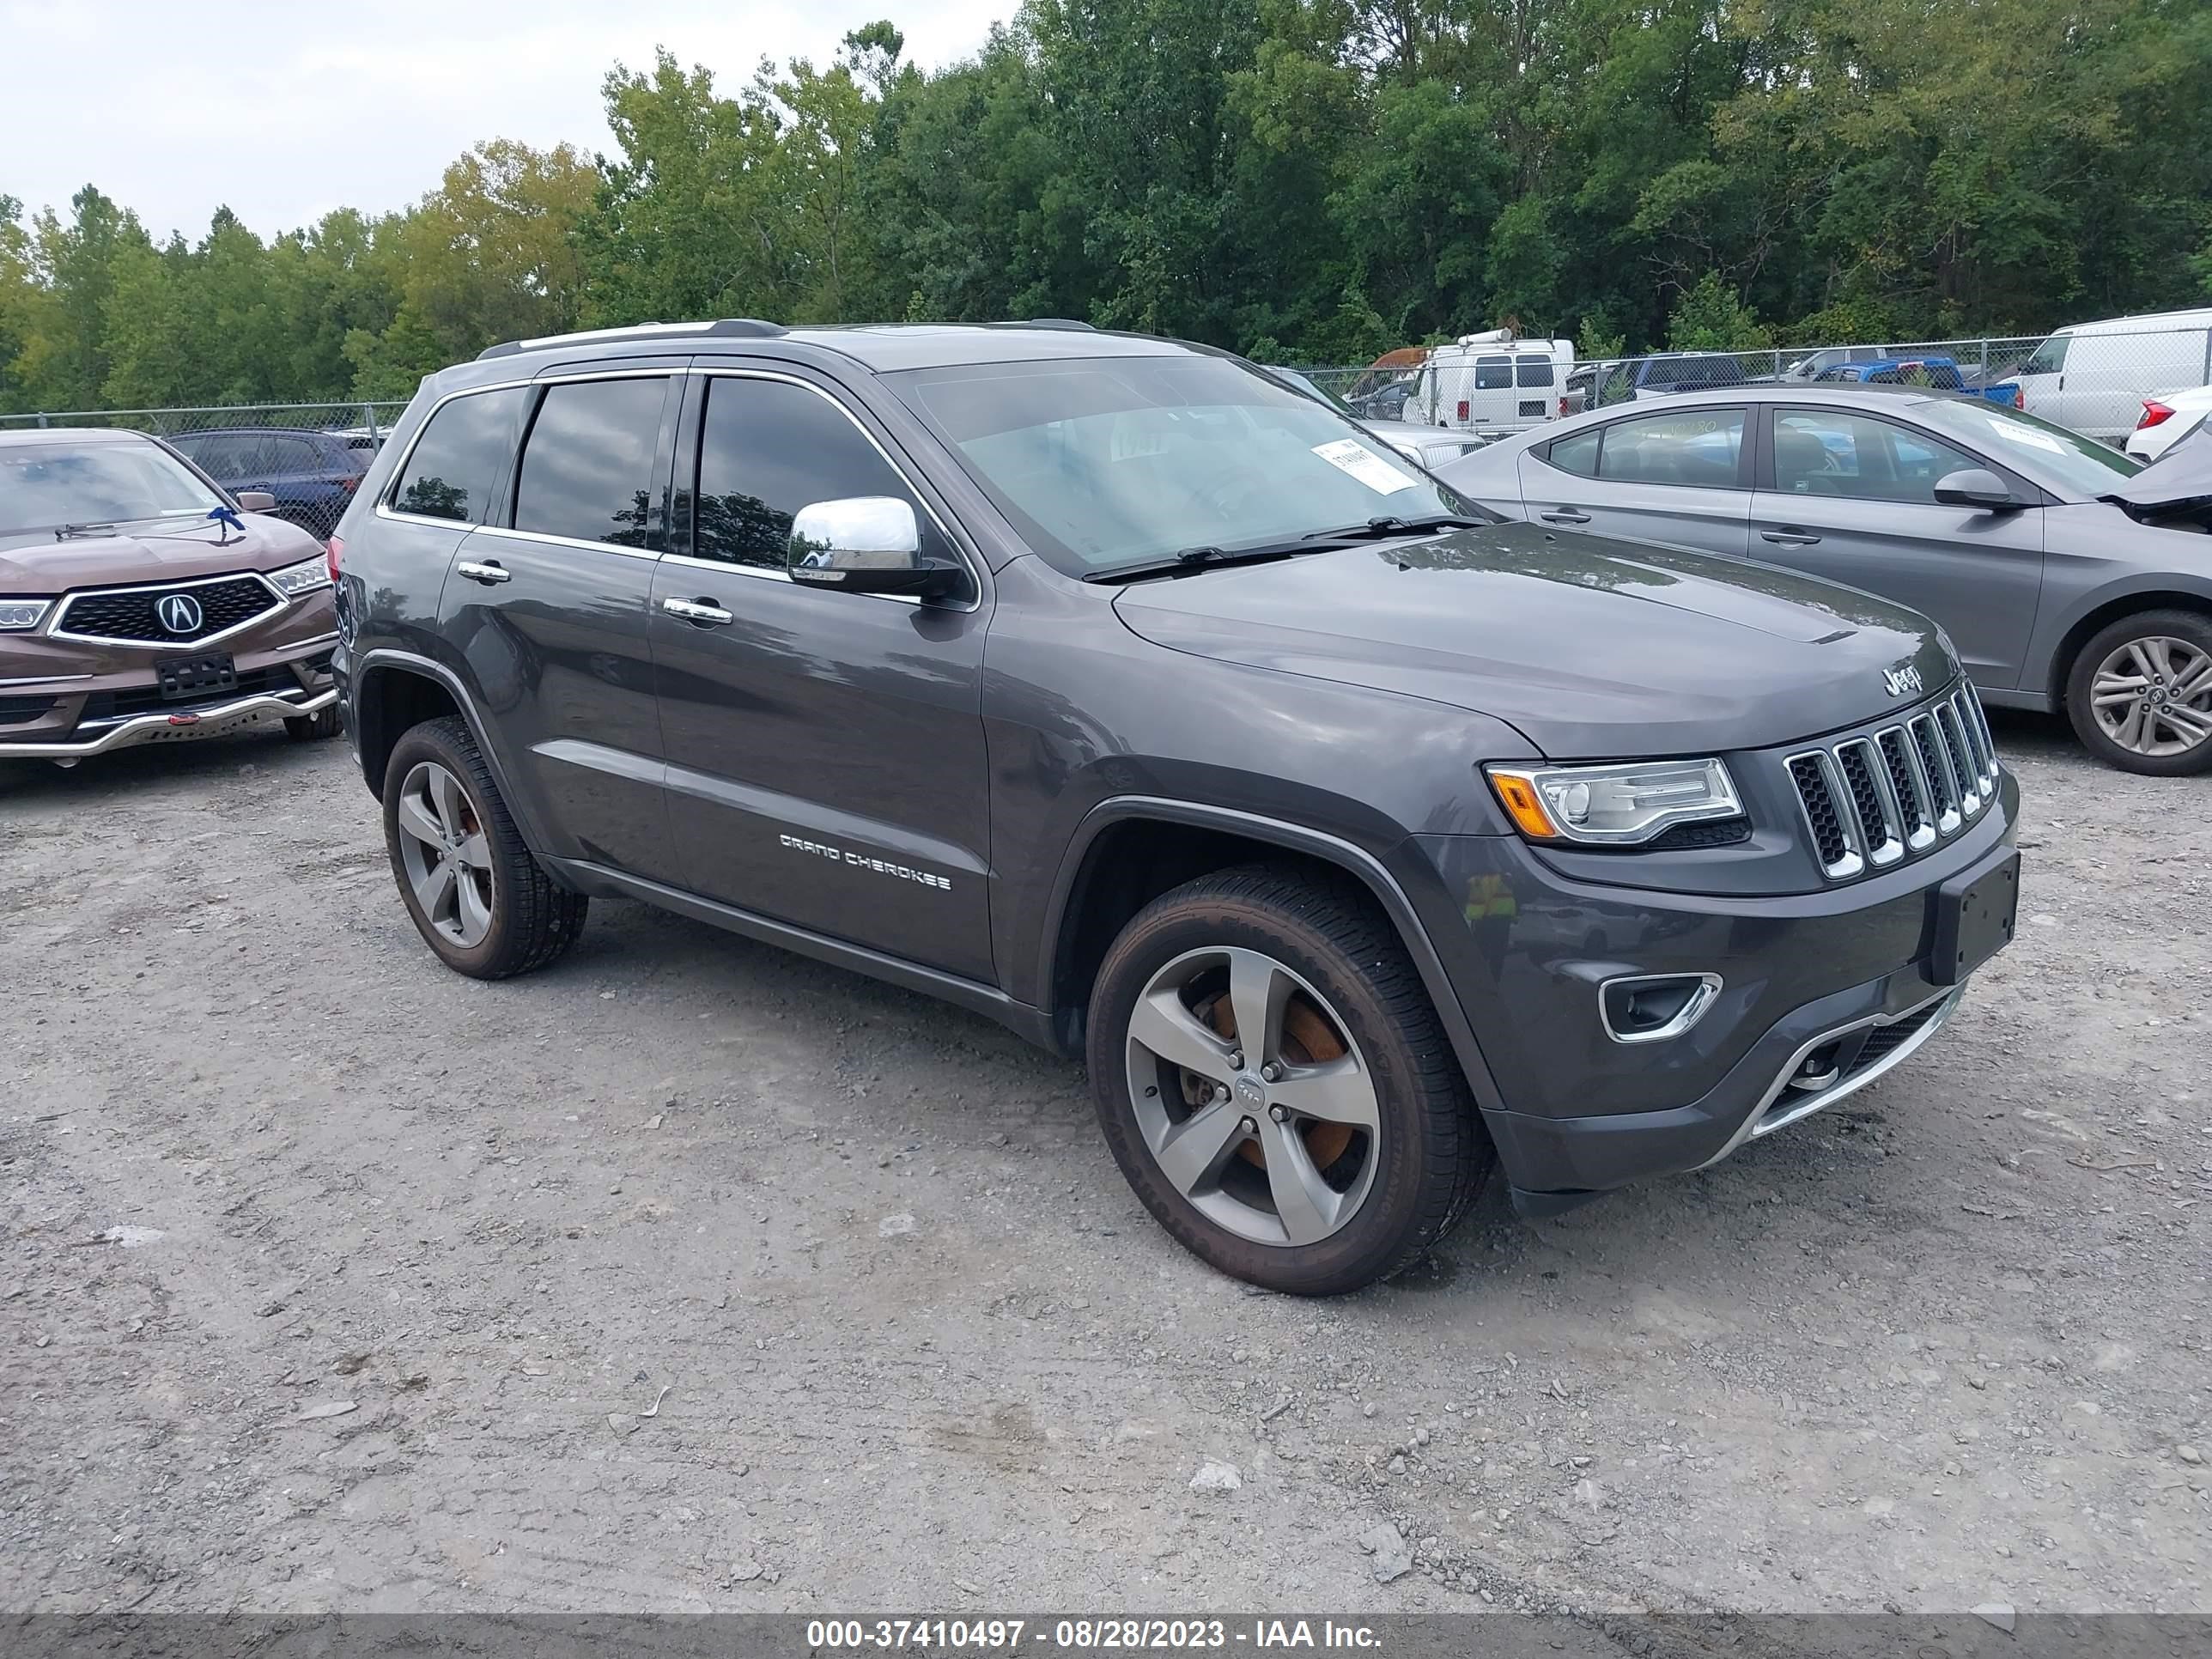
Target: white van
[2093,377]
[1492,383]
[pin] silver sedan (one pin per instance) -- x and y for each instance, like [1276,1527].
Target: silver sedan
[2067,575]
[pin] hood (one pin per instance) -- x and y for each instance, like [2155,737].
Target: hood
[1594,649]
[2179,479]
[171,549]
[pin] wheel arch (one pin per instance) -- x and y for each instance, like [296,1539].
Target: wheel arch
[392,691]
[2108,609]
[1128,851]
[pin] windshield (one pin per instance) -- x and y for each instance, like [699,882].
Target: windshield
[2079,465]
[1107,462]
[44,486]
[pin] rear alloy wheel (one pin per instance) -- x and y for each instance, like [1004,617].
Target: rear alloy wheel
[475,893]
[2140,695]
[1272,1080]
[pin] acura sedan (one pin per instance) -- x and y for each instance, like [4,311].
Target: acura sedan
[2068,576]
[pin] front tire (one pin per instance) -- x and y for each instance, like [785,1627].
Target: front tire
[2140,694]
[1333,1152]
[311,728]
[475,893]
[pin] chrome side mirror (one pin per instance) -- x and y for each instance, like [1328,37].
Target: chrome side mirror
[863,544]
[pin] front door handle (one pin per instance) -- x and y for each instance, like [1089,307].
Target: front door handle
[1787,536]
[700,613]
[1565,515]
[490,572]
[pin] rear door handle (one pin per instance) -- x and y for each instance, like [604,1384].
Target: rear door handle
[1565,515]
[1787,536]
[700,613]
[490,572]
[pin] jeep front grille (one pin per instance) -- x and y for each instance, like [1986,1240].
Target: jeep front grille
[132,616]
[1870,800]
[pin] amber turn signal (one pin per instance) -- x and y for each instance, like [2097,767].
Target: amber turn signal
[1522,805]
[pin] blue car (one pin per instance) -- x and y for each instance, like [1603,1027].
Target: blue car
[311,474]
[1937,373]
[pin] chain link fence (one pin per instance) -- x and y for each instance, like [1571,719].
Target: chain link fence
[2098,380]
[309,456]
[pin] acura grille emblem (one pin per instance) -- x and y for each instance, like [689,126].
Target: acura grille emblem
[179,613]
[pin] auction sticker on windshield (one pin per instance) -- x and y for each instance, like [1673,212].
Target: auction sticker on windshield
[1350,455]
[2014,432]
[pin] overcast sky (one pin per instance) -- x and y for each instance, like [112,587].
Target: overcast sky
[284,110]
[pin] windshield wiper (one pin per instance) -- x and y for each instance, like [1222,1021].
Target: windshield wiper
[1376,530]
[1192,559]
[63,533]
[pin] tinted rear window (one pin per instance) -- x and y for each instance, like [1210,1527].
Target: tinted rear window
[1532,371]
[587,471]
[464,450]
[1491,374]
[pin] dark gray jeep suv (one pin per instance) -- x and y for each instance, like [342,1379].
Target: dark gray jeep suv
[1360,841]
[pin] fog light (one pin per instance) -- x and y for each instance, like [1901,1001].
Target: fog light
[1653,1007]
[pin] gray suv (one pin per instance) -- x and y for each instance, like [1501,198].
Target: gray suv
[1361,843]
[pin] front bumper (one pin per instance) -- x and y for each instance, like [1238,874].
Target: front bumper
[210,720]
[1579,1112]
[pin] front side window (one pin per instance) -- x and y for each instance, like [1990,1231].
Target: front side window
[2049,357]
[587,469]
[453,470]
[1103,463]
[44,486]
[1492,373]
[1697,447]
[767,448]
[1826,453]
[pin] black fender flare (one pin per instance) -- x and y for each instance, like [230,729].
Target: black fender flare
[1353,859]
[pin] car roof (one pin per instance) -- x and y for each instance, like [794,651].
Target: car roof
[2147,322]
[15,436]
[258,432]
[882,347]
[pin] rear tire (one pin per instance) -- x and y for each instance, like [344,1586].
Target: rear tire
[1340,1152]
[2140,694]
[474,891]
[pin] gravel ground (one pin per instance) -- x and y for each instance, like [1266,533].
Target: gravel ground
[691,1275]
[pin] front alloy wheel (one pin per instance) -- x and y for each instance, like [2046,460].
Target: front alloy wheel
[1252,1102]
[2141,694]
[1272,1078]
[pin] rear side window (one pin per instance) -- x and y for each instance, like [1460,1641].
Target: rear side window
[1492,373]
[1532,371]
[1699,448]
[463,451]
[587,469]
[1577,454]
[767,448]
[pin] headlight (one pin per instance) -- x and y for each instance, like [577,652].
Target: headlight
[304,577]
[15,614]
[1613,806]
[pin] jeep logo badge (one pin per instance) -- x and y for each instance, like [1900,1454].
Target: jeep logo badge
[179,613]
[1901,681]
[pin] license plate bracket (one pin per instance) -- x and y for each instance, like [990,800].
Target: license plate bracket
[195,677]
[1976,912]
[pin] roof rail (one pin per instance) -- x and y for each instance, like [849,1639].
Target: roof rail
[1055,322]
[728,328]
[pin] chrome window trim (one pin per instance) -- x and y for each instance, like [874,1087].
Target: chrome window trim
[54,630]
[506,534]
[1853,860]
[959,547]
[1700,1003]
[386,510]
